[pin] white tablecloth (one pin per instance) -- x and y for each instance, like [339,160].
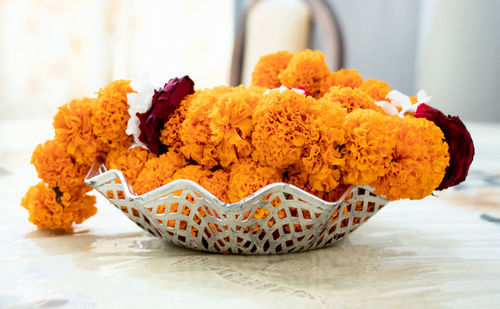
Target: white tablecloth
[441,251]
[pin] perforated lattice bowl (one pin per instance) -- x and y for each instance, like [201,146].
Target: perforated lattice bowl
[279,218]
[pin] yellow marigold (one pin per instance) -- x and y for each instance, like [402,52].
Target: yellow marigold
[231,124]
[418,160]
[170,135]
[73,128]
[351,98]
[55,210]
[131,161]
[158,171]
[111,116]
[376,89]
[300,179]
[322,156]
[195,131]
[369,147]
[267,69]
[307,69]
[247,177]
[57,168]
[346,78]
[214,182]
[281,130]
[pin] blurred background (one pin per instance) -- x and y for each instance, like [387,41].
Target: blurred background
[52,51]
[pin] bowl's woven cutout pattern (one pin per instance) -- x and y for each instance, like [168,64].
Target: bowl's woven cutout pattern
[277,219]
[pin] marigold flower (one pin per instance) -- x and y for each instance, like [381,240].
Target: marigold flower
[214,182]
[267,69]
[282,128]
[346,78]
[131,161]
[247,177]
[307,69]
[55,210]
[57,168]
[110,119]
[73,129]
[170,135]
[369,147]
[418,161]
[231,124]
[300,179]
[158,171]
[376,89]
[351,98]
[322,157]
[195,131]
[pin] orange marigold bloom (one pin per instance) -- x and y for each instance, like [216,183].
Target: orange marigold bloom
[130,161]
[57,168]
[307,69]
[170,135]
[300,179]
[231,124]
[418,161]
[195,131]
[369,147]
[322,156]
[346,78]
[111,116]
[376,89]
[73,128]
[282,128]
[158,171]
[351,98]
[214,182]
[267,69]
[247,177]
[55,210]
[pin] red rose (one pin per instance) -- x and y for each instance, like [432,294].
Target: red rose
[164,103]
[461,146]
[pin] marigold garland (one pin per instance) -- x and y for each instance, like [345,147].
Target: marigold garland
[55,210]
[57,168]
[234,141]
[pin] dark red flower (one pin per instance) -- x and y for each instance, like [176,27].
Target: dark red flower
[165,102]
[461,146]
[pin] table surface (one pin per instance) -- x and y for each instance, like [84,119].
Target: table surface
[442,251]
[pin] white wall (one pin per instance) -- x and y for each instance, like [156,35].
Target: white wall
[450,48]
[460,63]
[380,39]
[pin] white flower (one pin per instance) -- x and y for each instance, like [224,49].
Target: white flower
[139,101]
[283,88]
[398,99]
